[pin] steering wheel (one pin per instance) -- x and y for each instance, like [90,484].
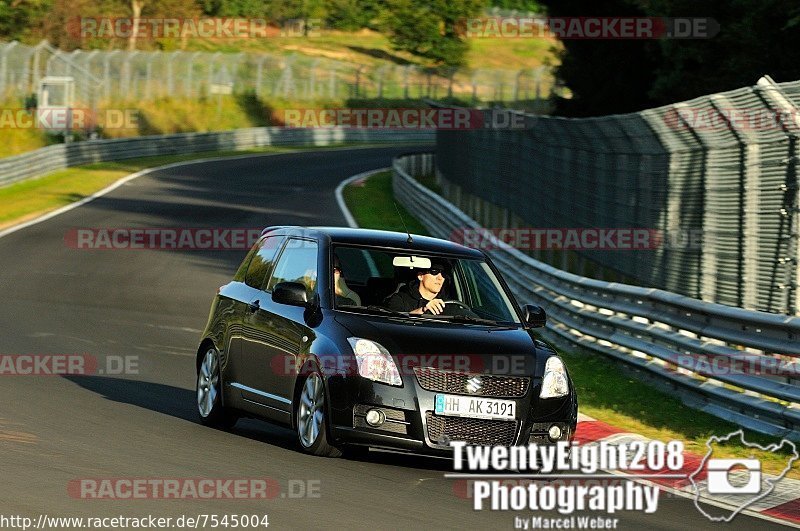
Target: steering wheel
[459,304]
[458,308]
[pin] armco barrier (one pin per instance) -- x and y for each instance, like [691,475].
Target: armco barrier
[655,331]
[723,168]
[60,156]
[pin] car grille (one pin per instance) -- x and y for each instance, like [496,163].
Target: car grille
[456,382]
[441,430]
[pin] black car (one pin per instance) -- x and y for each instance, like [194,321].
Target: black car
[361,338]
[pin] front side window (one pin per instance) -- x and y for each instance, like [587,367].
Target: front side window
[261,264]
[486,296]
[297,263]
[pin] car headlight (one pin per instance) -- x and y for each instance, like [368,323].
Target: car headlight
[554,383]
[375,362]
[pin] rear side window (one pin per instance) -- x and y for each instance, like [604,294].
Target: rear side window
[261,264]
[298,263]
[242,271]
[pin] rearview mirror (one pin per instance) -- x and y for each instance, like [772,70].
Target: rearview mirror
[412,262]
[535,316]
[291,293]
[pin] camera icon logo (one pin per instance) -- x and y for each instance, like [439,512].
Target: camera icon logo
[719,476]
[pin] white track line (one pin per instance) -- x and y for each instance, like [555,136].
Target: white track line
[128,178]
[351,221]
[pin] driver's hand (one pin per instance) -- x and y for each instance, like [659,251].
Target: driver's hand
[340,287]
[435,306]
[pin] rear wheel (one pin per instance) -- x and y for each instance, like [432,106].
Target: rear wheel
[312,419]
[209,393]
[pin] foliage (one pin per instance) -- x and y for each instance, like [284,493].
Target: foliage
[755,37]
[430,28]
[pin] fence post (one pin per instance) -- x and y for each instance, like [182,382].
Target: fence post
[4,67]
[332,82]
[772,95]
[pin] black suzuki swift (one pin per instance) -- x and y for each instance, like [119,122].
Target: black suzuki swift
[361,338]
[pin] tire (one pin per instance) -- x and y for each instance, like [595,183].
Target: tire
[311,417]
[209,393]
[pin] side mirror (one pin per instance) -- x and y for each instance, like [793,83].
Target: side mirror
[535,316]
[291,293]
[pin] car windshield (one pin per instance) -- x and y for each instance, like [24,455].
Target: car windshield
[380,281]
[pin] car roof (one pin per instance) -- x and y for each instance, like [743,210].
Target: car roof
[380,238]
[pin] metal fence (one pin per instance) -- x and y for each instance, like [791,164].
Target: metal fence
[139,75]
[736,364]
[59,156]
[721,168]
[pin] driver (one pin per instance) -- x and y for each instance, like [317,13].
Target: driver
[420,296]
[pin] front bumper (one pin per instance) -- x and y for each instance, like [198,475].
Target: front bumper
[412,426]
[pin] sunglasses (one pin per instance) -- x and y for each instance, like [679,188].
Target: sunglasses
[339,269]
[434,271]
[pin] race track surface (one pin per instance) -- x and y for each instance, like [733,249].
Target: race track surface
[152,305]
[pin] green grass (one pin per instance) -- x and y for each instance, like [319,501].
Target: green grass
[372,206]
[611,393]
[174,114]
[371,48]
[606,391]
[171,113]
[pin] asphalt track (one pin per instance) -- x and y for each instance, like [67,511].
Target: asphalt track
[152,305]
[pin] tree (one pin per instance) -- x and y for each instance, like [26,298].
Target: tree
[233,8]
[63,21]
[430,28]
[519,5]
[20,19]
[283,10]
[351,15]
[756,37]
[604,76]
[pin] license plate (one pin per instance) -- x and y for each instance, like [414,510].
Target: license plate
[475,407]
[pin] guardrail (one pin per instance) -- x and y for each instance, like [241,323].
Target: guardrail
[60,156]
[721,168]
[662,334]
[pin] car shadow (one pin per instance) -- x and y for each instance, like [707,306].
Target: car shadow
[180,403]
[176,402]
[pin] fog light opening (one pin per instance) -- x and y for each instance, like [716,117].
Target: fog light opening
[554,432]
[375,417]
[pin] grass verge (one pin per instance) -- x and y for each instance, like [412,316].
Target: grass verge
[371,203]
[606,391]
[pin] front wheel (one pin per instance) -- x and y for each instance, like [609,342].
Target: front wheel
[312,419]
[209,393]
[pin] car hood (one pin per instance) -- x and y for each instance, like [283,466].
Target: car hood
[439,344]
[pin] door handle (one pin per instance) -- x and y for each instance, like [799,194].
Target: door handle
[254,306]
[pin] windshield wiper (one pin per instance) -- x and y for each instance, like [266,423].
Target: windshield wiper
[374,309]
[476,320]
[394,313]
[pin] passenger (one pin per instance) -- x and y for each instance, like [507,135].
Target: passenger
[420,296]
[344,295]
